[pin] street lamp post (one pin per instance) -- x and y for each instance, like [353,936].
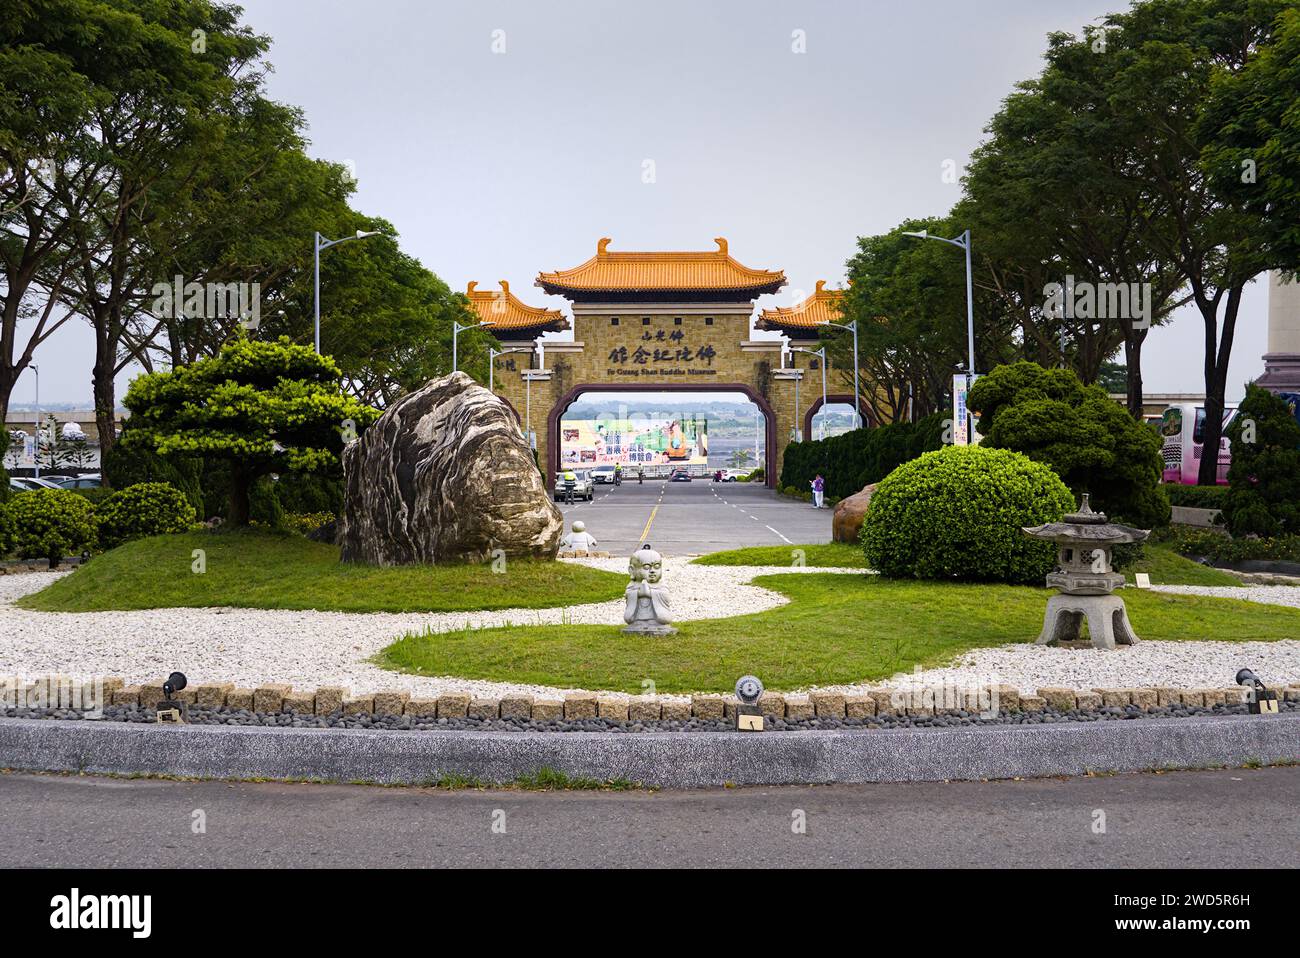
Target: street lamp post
[456,330]
[37,455]
[963,242]
[812,352]
[852,326]
[492,357]
[319,244]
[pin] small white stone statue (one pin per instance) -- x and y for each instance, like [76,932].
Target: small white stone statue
[648,610]
[579,540]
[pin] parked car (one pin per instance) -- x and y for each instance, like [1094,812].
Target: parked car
[679,475]
[82,482]
[602,474]
[28,483]
[583,490]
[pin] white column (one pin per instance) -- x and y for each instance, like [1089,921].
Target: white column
[1282,361]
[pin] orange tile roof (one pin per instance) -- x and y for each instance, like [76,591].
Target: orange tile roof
[504,311]
[711,270]
[822,307]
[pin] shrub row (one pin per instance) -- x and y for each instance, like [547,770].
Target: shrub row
[54,523]
[1217,547]
[1197,497]
[854,459]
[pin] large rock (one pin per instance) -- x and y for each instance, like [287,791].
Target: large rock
[445,475]
[846,523]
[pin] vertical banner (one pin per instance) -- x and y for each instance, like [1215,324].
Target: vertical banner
[960,419]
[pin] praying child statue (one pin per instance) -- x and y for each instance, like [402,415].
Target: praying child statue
[648,610]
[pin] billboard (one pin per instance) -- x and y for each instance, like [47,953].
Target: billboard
[639,441]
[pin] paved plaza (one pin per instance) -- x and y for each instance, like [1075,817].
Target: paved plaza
[694,518]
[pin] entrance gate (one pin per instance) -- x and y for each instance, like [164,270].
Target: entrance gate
[658,321]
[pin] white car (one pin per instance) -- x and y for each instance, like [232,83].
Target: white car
[28,483]
[582,490]
[602,474]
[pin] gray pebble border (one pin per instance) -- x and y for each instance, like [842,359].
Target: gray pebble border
[224,715]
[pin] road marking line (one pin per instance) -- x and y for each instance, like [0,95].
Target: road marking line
[783,537]
[645,533]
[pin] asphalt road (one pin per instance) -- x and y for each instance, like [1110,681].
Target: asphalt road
[694,518]
[1216,819]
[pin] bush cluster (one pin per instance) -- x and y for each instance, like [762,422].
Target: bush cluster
[1087,438]
[958,513]
[1264,479]
[55,523]
[145,509]
[858,458]
[49,524]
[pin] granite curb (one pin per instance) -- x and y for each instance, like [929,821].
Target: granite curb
[668,760]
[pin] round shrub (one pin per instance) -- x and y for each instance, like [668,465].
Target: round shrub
[145,509]
[51,524]
[957,514]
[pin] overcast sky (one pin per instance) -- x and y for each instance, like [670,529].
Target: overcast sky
[497,165]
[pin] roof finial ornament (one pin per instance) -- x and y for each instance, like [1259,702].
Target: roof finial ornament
[469,290]
[722,245]
[601,245]
[505,287]
[821,284]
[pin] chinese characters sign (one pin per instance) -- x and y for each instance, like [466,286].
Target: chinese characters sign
[661,353]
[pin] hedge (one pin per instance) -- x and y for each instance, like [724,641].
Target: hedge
[860,457]
[1196,497]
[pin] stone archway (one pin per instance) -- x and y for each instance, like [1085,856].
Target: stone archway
[832,399]
[562,405]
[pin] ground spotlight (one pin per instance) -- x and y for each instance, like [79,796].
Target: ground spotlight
[749,717]
[1259,701]
[170,710]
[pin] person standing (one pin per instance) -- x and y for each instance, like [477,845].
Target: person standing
[819,490]
[570,483]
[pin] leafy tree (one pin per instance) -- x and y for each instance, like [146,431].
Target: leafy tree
[169,83]
[1264,478]
[53,452]
[1252,141]
[45,104]
[1091,442]
[908,297]
[1049,189]
[1172,56]
[261,407]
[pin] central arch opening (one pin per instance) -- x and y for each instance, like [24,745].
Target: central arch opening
[664,430]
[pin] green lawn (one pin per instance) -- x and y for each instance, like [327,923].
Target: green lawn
[1165,565]
[838,628]
[265,570]
[832,555]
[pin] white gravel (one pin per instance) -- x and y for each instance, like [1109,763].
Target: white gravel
[308,649]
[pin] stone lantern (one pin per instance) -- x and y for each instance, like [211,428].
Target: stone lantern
[1086,579]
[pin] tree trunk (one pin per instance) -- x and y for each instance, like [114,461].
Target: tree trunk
[1218,350]
[240,482]
[105,396]
[1133,339]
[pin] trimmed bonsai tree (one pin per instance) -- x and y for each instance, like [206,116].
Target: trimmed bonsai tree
[262,407]
[1088,439]
[1264,479]
[957,514]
